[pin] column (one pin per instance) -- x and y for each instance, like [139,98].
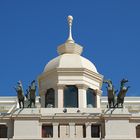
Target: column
[88,130]
[98,99]
[60,96]
[55,130]
[72,130]
[82,98]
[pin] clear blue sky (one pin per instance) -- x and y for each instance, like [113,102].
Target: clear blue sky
[31,30]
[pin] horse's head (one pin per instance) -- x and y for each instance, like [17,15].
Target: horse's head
[33,82]
[109,82]
[124,80]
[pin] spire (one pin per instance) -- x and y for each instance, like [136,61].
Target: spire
[70,39]
[70,47]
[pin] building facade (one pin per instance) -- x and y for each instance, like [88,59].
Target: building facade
[70,106]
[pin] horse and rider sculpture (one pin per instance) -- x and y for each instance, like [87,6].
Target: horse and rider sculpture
[30,94]
[115,101]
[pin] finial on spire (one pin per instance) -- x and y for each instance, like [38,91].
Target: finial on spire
[70,39]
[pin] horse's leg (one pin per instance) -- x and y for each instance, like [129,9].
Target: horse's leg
[117,105]
[122,104]
[19,103]
[109,104]
[34,102]
[30,103]
[113,104]
[106,106]
[23,103]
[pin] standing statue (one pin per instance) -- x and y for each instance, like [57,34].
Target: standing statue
[20,93]
[122,92]
[111,93]
[32,93]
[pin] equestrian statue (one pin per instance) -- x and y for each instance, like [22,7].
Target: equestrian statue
[122,93]
[32,93]
[113,100]
[111,93]
[20,94]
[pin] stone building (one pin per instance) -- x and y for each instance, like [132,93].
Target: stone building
[70,106]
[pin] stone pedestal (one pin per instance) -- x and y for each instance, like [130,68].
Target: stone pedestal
[117,125]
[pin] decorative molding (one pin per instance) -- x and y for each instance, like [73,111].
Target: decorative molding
[82,86]
[60,86]
[98,92]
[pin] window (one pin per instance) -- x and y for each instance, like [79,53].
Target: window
[47,131]
[3,131]
[50,98]
[138,131]
[95,131]
[70,96]
[91,98]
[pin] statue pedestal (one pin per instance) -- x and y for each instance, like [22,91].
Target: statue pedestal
[117,124]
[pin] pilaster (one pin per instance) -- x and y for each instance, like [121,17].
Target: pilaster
[88,130]
[72,130]
[55,130]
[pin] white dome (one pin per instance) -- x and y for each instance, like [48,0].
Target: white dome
[70,61]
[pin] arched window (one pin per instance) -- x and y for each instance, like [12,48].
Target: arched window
[138,131]
[91,98]
[50,98]
[3,131]
[71,96]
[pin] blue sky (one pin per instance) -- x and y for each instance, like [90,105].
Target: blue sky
[31,30]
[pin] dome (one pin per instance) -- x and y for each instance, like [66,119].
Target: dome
[70,55]
[70,61]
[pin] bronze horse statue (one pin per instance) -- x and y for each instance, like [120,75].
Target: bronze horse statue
[122,92]
[32,93]
[20,93]
[111,93]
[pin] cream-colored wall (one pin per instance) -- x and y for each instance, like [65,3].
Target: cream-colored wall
[27,129]
[119,129]
[118,125]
